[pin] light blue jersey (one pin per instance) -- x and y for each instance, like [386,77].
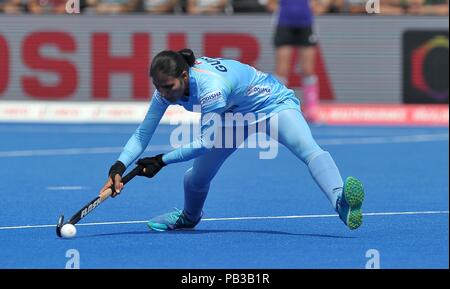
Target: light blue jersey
[216,85]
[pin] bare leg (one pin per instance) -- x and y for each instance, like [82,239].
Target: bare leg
[310,82]
[283,62]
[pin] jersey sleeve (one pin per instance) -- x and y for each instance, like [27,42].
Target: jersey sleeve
[210,124]
[141,137]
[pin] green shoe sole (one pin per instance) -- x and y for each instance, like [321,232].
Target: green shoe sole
[354,196]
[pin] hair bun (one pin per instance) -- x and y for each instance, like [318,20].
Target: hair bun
[188,55]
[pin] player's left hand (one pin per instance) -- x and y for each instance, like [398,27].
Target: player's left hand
[115,178]
[151,165]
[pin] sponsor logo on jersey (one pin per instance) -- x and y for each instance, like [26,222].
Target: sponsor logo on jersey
[259,90]
[211,98]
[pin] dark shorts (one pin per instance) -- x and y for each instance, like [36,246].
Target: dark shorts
[295,36]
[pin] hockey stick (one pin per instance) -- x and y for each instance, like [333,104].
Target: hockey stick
[89,207]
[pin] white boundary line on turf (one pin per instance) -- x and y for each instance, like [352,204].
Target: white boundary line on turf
[236,219]
[330,141]
[74,151]
[78,130]
[66,188]
[381,140]
[130,128]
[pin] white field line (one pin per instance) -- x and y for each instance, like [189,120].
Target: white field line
[381,140]
[73,151]
[129,129]
[330,141]
[65,188]
[238,219]
[78,130]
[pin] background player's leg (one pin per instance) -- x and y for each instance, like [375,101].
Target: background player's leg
[283,62]
[310,82]
[294,133]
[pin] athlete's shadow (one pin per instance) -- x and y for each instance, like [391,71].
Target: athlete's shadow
[200,231]
[270,232]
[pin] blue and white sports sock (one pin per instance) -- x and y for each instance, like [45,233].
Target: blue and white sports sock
[326,174]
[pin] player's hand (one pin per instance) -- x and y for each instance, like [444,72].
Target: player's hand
[108,185]
[115,178]
[151,166]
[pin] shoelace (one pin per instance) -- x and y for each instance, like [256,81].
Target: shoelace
[175,216]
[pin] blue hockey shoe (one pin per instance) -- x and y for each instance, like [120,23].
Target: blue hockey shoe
[175,220]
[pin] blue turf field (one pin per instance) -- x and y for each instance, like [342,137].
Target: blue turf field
[50,169]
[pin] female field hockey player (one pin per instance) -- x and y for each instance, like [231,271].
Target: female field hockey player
[221,86]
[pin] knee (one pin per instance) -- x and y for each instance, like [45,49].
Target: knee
[313,154]
[310,152]
[306,150]
[195,182]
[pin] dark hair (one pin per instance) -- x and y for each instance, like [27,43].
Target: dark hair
[172,63]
